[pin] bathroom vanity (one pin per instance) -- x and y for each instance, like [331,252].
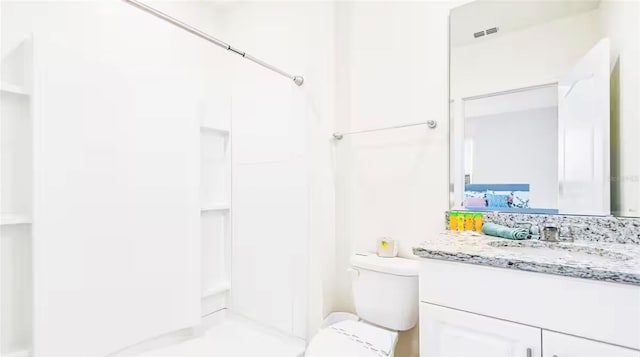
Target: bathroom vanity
[540,136]
[485,296]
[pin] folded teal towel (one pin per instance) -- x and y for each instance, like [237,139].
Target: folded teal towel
[497,230]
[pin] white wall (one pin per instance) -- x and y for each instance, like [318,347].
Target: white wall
[392,69]
[619,21]
[514,148]
[536,55]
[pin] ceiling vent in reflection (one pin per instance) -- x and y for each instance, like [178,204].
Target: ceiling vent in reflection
[487,32]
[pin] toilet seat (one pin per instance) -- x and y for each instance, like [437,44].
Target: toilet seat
[352,338]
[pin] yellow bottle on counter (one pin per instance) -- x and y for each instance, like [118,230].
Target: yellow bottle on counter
[460,219]
[478,222]
[453,221]
[468,221]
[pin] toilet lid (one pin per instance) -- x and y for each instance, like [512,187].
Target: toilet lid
[352,338]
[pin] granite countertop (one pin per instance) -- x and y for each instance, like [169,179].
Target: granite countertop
[611,262]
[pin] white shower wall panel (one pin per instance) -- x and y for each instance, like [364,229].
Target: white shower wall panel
[116,159]
[270,193]
[268,122]
[269,249]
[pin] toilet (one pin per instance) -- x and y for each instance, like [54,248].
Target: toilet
[385,295]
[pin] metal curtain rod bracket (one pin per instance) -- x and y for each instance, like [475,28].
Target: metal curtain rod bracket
[298,80]
[429,123]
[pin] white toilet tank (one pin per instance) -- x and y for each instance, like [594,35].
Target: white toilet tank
[385,291]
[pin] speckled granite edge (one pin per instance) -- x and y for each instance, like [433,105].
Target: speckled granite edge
[583,273]
[477,250]
[608,229]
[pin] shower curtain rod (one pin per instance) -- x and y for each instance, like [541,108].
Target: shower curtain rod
[298,80]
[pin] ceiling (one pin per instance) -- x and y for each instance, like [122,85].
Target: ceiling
[509,16]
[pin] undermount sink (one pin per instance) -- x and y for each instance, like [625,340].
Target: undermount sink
[559,250]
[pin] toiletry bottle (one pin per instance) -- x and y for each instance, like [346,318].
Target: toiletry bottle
[460,217]
[453,221]
[468,221]
[478,221]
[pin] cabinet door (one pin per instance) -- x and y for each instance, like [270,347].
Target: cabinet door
[561,345]
[446,332]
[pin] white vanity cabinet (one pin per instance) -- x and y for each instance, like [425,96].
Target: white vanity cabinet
[560,345]
[448,332]
[469,310]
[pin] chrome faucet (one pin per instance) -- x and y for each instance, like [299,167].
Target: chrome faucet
[550,234]
[555,234]
[573,228]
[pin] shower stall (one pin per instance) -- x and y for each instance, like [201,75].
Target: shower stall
[150,179]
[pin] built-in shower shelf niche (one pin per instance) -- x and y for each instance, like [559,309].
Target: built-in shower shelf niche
[216,167]
[216,252]
[16,175]
[17,64]
[13,89]
[23,353]
[16,290]
[216,207]
[220,287]
[12,219]
[220,131]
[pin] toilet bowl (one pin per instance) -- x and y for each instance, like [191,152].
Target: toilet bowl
[385,294]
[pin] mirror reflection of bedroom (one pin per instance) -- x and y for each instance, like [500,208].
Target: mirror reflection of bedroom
[505,135]
[532,94]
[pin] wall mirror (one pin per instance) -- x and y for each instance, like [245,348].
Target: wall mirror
[545,107]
